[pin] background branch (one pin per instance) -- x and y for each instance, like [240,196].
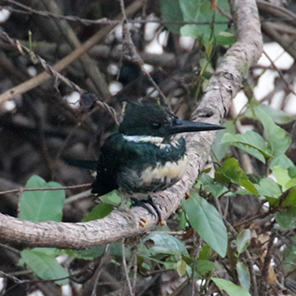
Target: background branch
[34,82]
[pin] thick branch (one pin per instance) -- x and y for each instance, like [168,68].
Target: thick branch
[224,85]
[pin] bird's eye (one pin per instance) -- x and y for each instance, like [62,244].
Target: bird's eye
[155,125]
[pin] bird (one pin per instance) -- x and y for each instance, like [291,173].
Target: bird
[144,156]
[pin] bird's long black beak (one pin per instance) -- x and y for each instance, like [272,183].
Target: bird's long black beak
[184,126]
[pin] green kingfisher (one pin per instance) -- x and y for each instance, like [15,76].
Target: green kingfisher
[144,157]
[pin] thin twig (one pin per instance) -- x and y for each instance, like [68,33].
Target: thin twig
[62,64]
[38,60]
[260,215]
[12,277]
[104,259]
[45,189]
[125,270]
[280,73]
[197,244]
[249,257]
[11,249]
[136,57]
[90,67]
[135,265]
[266,265]
[108,108]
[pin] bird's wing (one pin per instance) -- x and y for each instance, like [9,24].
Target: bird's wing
[121,163]
[115,154]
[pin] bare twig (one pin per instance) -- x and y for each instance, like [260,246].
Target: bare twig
[289,86]
[104,259]
[30,84]
[19,190]
[109,109]
[266,265]
[12,277]
[250,260]
[126,270]
[38,60]
[136,56]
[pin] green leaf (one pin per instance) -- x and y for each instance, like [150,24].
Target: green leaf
[242,191]
[88,254]
[292,172]
[289,256]
[283,161]
[243,240]
[282,176]
[205,179]
[225,38]
[220,150]
[181,267]
[286,219]
[171,11]
[276,136]
[115,249]
[279,116]
[230,170]
[254,178]
[44,266]
[205,253]
[291,183]
[111,198]
[250,142]
[230,288]
[199,11]
[208,50]
[98,212]
[39,206]
[243,275]
[182,221]
[206,66]
[269,188]
[205,267]
[206,220]
[217,189]
[162,243]
[290,200]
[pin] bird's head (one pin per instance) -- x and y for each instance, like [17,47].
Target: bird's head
[143,119]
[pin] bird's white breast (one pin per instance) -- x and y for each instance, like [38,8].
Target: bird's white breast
[172,171]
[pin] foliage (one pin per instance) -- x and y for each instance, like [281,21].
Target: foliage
[42,206]
[44,264]
[213,24]
[39,207]
[206,220]
[230,288]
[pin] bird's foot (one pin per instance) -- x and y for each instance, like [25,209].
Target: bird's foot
[142,203]
[143,222]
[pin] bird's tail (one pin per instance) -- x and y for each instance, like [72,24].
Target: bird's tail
[85,164]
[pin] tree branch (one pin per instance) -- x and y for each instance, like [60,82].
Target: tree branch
[224,85]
